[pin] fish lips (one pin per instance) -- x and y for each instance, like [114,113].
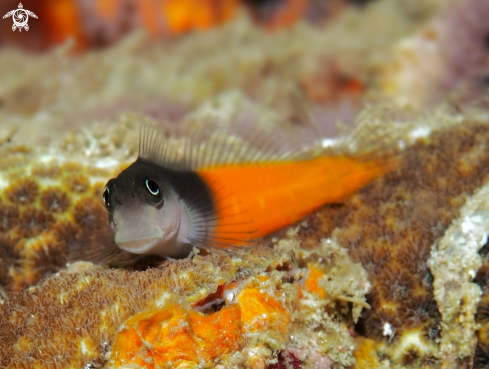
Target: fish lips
[141,246]
[139,240]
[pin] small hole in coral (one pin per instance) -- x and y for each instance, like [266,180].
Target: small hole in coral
[283,267]
[33,222]
[286,360]
[212,303]
[94,365]
[23,191]
[55,200]
[78,183]
[411,355]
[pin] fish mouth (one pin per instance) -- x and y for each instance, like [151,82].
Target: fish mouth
[141,246]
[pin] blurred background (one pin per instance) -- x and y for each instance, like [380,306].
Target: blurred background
[291,61]
[96,24]
[190,63]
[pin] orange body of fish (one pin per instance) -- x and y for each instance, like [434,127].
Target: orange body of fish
[273,196]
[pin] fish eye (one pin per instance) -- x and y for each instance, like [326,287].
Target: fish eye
[153,187]
[106,198]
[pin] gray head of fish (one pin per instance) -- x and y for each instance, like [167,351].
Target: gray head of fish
[147,210]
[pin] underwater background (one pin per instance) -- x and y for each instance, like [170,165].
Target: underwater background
[393,276]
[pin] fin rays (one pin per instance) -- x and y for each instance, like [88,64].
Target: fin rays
[204,152]
[98,248]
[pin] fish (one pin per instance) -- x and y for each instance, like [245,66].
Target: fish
[225,197]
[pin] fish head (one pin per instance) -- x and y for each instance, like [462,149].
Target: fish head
[144,210]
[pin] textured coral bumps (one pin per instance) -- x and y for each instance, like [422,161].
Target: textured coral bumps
[44,208]
[247,322]
[50,198]
[392,227]
[208,311]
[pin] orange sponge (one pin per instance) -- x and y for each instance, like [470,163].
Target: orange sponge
[175,335]
[261,312]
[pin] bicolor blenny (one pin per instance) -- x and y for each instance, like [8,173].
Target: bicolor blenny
[166,204]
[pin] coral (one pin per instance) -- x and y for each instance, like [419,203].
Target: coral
[53,199]
[197,312]
[390,228]
[77,183]
[45,207]
[287,360]
[481,355]
[411,355]
[22,192]
[456,295]
[300,297]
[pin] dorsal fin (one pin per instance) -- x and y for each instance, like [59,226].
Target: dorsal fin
[201,151]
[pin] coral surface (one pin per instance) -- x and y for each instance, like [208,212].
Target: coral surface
[46,205]
[390,228]
[191,313]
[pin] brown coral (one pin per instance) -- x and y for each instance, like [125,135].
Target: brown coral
[9,217]
[22,192]
[89,213]
[40,218]
[390,226]
[235,310]
[33,222]
[76,182]
[54,199]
